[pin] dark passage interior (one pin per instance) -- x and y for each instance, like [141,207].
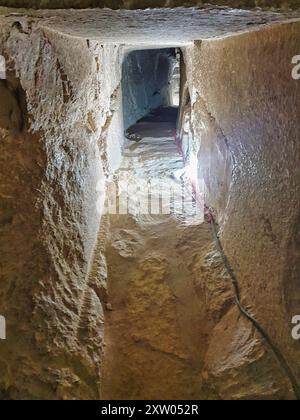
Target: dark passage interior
[150,89]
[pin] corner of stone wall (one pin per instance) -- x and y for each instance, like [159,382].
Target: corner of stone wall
[52,291]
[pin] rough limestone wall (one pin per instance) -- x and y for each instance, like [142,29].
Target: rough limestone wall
[136,4]
[50,289]
[145,77]
[245,119]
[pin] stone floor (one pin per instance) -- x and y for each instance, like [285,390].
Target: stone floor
[153,327]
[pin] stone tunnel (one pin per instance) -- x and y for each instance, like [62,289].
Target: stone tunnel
[101,300]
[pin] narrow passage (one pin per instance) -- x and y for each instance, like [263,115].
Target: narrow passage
[155,337]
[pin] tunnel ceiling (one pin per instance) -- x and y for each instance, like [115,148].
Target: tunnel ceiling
[135,4]
[160,27]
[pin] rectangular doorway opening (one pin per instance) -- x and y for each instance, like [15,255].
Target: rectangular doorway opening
[151,91]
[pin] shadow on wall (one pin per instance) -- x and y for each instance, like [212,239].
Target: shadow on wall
[12,103]
[146,82]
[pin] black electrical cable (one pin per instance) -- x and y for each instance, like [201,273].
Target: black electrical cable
[279,356]
[283,363]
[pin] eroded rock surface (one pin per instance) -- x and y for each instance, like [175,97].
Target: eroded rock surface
[244,113]
[61,133]
[50,170]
